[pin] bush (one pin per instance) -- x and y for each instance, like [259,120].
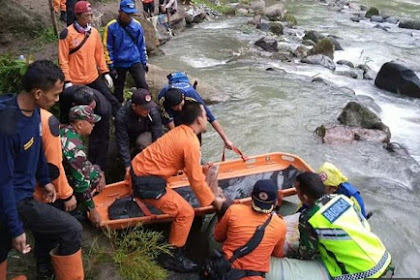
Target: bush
[11,72]
[132,251]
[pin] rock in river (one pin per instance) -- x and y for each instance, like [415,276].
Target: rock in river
[398,79]
[319,59]
[268,44]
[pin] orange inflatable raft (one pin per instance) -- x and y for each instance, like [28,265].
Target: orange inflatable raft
[119,209]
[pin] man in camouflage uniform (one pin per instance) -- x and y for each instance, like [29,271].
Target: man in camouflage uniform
[84,177]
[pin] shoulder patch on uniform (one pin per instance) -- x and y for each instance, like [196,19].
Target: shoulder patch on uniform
[64,33]
[54,126]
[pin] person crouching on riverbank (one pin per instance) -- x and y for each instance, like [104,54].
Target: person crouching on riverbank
[333,227]
[179,149]
[172,98]
[239,224]
[22,164]
[84,177]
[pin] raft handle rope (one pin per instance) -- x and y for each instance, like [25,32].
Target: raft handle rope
[237,151]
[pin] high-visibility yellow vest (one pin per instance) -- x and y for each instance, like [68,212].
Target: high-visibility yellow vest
[348,248]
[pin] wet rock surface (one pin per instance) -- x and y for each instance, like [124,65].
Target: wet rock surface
[319,59]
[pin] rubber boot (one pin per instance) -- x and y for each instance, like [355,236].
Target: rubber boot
[68,267]
[177,261]
[3,272]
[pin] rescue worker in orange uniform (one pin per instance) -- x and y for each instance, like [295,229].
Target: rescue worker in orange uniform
[239,224]
[65,199]
[81,55]
[60,6]
[176,150]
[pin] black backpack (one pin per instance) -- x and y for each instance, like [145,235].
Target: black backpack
[217,267]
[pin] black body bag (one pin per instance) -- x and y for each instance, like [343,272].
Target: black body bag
[217,267]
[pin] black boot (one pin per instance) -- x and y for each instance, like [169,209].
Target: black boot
[177,261]
[63,16]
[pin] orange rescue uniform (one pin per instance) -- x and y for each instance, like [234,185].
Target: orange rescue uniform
[176,150]
[52,148]
[236,228]
[82,66]
[59,4]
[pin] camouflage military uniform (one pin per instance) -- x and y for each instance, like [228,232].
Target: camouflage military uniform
[308,242]
[83,175]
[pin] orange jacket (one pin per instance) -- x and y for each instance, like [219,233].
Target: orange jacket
[52,148]
[174,151]
[236,228]
[82,66]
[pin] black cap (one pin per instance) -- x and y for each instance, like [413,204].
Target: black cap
[264,196]
[173,97]
[142,97]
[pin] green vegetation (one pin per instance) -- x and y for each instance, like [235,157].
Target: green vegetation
[47,35]
[132,252]
[11,71]
[222,8]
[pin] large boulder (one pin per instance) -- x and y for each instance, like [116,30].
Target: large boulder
[255,21]
[410,24]
[325,47]
[319,59]
[372,12]
[263,26]
[195,15]
[334,40]
[301,51]
[162,34]
[156,79]
[377,19]
[276,28]
[275,12]
[357,115]
[268,44]
[313,35]
[398,79]
[20,18]
[342,134]
[258,7]
[290,19]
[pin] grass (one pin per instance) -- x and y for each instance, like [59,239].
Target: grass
[47,35]
[222,8]
[132,252]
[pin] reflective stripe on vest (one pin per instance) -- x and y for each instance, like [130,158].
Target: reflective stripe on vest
[348,248]
[385,260]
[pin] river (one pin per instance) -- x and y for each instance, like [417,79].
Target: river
[279,110]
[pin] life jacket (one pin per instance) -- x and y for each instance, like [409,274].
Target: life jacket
[351,192]
[180,81]
[348,248]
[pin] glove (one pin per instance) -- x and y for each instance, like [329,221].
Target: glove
[146,68]
[67,85]
[113,74]
[108,80]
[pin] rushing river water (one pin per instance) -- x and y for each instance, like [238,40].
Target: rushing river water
[279,110]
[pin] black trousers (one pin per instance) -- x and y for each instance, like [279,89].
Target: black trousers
[137,71]
[149,8]
[48,225]
[99,138]
[70,11]
[100,86]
